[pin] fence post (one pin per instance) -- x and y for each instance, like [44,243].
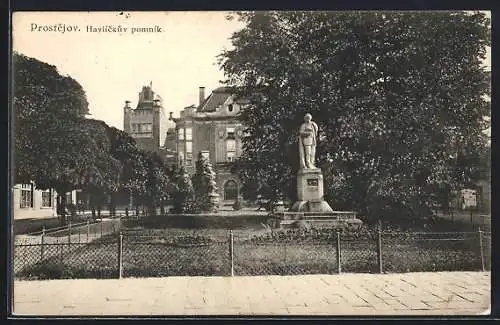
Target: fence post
[88,230]
[379,248]
[481,247]
[101,226]
[120,255]
[231,251]
[69,232]
[42,242]
[284,252]
[61,255]
[339,263]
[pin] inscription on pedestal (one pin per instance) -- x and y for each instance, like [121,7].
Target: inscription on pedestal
[312,182]
[310,185]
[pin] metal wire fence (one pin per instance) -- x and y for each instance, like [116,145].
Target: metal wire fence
[208,252]
[82,232]
[41,246]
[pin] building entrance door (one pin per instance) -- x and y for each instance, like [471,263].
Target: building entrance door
[230,190]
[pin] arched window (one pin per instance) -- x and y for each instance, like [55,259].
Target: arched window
[230,190]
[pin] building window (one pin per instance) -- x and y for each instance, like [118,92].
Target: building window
[181,158]
[148,127]
[69,198]
[189,159]
[134,127]
[180,134]
[230,107]
[189,153]
[26,196]
[230,149]
[47,199]
[230,133]
[189,147]
[189,134]
[205,154]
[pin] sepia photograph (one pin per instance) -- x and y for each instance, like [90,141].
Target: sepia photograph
[250,163]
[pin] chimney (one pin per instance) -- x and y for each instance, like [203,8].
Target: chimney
[170,117]
[127,104]
[202,95]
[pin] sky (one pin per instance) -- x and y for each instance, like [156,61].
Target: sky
[113,66]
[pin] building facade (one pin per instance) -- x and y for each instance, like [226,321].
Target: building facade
[169,148]
[213,129]
[143,122]
[31,203]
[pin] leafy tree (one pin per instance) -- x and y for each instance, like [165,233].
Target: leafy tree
[42,98]
[124,149]
[153,187]
[204,184]
[55,146]
[135,176]
[399,98]
[73,157]
[102,176]
[183,197]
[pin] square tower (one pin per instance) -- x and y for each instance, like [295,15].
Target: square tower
[143,122]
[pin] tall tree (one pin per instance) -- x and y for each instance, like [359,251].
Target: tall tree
[124,149]
[54,145]
[73,157]
[157,182]
[103,173]
[399,98]
[42,99]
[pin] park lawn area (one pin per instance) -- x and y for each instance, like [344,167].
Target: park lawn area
[182,252]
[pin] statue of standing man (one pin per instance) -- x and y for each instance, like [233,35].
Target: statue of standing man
[308,133]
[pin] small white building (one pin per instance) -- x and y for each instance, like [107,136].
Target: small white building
[31,203]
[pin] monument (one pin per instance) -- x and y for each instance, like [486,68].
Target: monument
[311,206]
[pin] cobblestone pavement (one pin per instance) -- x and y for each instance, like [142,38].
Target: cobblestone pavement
[442,293]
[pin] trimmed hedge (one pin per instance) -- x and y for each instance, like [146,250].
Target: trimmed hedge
[199,221]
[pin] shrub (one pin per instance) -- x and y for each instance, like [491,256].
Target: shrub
[237,205]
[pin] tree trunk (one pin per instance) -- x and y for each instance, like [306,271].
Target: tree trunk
[151,208]
[62,206]
[112,204]
[93,213]
[137,210]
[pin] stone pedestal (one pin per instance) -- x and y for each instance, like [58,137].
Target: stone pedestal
[310,192]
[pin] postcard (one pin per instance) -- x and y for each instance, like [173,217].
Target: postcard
[269,163]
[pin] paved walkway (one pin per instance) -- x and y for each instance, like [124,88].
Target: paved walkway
[446,293]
